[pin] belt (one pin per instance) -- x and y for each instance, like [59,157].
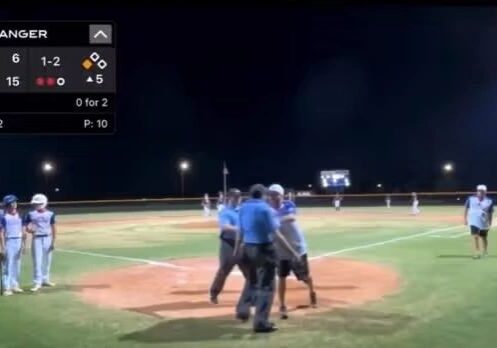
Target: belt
[40,235]
[258,244]
[13,238]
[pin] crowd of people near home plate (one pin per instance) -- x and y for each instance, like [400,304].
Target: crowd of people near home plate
[261,236]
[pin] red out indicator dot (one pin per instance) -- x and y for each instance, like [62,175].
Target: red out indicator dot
[40,81]
[50,81]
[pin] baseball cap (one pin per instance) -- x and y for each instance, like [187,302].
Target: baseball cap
[481,188]
[277,188]
[234,192]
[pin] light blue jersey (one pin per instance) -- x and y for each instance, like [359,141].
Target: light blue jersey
[11,225]
[291,231]
[41,220]
[228,216]
[480,212]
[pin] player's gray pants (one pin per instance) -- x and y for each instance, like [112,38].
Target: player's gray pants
[42,259]
[259,286]
[227,262]
[12,263]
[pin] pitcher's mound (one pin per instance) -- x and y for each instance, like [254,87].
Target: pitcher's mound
[180,289]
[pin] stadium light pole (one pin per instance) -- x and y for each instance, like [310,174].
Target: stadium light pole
[47,168]
[184,166]
[448,168]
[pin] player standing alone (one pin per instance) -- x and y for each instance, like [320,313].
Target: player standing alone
[220,201]
[478,215]
[388,201]
[414,204]
[206,204]
[286,212]
[337,201]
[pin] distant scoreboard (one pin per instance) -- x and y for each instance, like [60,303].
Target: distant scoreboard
[57,77]
[335,179]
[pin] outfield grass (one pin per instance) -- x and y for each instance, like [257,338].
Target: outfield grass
[446,299]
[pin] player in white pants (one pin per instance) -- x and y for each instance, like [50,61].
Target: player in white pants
[415,204]
[206,204]
[12,244]
[388,201]
[220,201]
[336,201]
[40,222]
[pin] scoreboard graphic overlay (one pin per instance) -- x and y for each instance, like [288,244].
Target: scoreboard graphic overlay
[57,77]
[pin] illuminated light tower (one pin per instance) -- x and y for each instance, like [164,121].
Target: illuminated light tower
[379,186]
[448,168]
[47,168]
[184,166]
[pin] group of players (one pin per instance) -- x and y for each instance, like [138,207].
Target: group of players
[261,235]
[14,230]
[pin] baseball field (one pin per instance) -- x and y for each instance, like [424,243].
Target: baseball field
[384,279]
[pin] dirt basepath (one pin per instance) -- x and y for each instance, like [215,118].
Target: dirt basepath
[182,292]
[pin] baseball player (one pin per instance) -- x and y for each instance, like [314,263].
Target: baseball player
[336,202]
[258,227]
[230,240]
[13,242]
[220,201]
[206,204]
[286,212]
[40,222]
[388,201]
[478,213]
[415,204]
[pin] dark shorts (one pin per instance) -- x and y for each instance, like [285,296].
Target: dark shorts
[475,231]
[299,269]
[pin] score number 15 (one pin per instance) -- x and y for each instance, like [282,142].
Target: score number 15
[14,81]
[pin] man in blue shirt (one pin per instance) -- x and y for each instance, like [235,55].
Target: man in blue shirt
[478,215]
[229,237]
[258,227]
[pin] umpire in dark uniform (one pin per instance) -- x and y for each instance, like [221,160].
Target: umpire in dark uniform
[258,227]
[229,238]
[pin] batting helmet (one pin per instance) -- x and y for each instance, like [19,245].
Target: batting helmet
[9,199]
[277,188]
[39,199]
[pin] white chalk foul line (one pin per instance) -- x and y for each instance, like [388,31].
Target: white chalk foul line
[124,258]
[388,241]
[336,252]
[459,235]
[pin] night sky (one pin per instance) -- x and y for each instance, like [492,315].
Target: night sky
[279,94]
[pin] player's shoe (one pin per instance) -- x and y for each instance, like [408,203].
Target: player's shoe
[17,290]
[283,313]
[476,257]
[8,293]
[268,328]
[314,300]
[35,288]
[48,284]
[243,317]
[213,299]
